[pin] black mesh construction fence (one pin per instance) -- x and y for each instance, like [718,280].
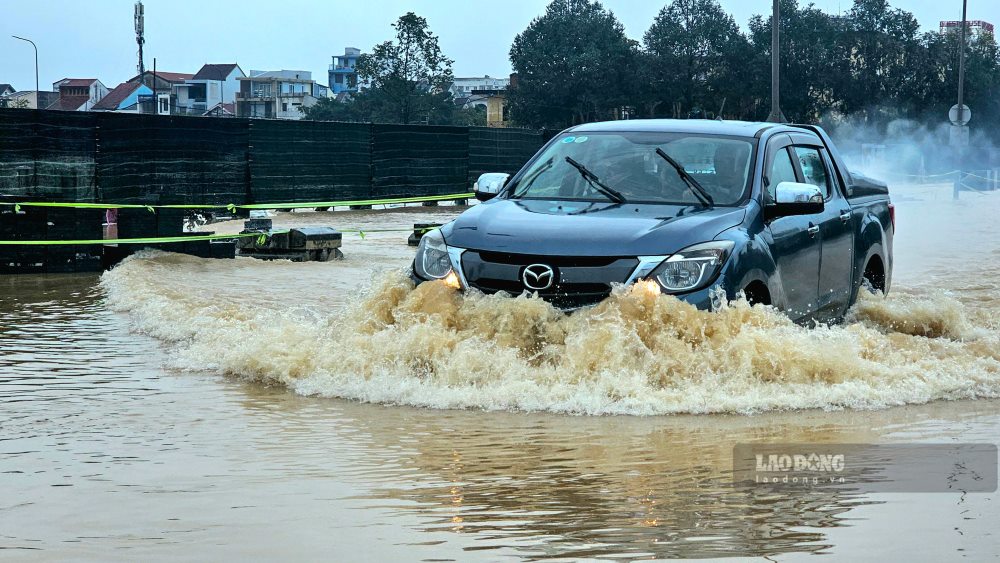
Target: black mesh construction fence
[153,159]
[419,160]
[303,161]
[500,150]
[47,155]
[150,160]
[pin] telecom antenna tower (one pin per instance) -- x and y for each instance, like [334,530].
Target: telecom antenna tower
[140,30]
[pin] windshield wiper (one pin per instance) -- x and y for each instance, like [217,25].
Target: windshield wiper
[528,181]
[589,176]
[696,188]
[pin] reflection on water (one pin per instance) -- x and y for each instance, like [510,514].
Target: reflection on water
[107,451]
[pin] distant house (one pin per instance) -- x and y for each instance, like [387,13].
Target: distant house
[212,85]
[126,97]
[462,89]
[343,77]
[6,90]
[78,94]
[31,99]
[161,80]
[161,84]
[221,110]
[276,94]
[496,106]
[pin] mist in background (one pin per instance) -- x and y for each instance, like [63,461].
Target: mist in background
[906,150]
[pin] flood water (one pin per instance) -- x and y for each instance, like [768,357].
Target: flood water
[212,410]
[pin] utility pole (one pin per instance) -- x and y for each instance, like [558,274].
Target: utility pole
[775,116]
[959,132]
[36,64]
[961,64]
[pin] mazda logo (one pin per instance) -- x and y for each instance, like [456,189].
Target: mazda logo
[538,277]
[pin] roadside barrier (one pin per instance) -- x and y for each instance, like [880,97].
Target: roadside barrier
[232,207]
[151,240]
[362,233]
[262,237]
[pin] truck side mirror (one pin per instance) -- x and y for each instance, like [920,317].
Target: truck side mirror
[794,198]
[489,185]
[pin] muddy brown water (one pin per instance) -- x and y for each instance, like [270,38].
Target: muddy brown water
[213,410]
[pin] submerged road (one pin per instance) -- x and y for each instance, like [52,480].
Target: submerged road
[188,408]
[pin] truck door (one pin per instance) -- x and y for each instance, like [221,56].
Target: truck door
[836,233]
[795,240]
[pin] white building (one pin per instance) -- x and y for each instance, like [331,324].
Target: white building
[975,28]
[277,94]
[211,86]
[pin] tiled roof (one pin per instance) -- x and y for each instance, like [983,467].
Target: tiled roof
[174,76]
[164,75]
[215,71]
[77,82]
[69,103]
[116,96]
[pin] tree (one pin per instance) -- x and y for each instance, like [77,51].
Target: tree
[574,64]
[697,58]
[14,103]
[406,79]
[469,117]
[933,86]
[329,109]
[814,62]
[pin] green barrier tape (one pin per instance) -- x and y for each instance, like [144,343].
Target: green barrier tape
[261,238]
[155,240]
[233,207]
[364,232]
[356,202]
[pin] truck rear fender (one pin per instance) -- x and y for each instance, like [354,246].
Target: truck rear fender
[872,241]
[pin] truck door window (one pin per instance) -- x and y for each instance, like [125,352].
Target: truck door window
[782,170]
[813,170]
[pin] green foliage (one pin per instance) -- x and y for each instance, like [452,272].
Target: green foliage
[403,81]
[470,117]
[695,49]
[15,103]
[407,78]
[329,109]
[574,64]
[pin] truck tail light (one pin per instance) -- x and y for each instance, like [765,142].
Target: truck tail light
[892,216]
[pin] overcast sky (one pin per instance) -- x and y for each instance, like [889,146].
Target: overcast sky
[79,39]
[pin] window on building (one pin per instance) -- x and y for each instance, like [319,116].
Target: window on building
[284,106]
[338,79]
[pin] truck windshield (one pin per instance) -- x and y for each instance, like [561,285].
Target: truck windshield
[628,163]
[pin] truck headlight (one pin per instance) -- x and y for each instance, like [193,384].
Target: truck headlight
[694,267]
[432,261]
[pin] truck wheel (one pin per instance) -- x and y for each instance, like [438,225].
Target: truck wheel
[756,292]
[874,277]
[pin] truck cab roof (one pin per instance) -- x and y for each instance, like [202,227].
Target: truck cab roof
[704,126]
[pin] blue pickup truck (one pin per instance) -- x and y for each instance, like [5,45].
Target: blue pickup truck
[767,210]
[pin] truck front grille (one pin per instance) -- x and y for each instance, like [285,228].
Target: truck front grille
[579,280]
